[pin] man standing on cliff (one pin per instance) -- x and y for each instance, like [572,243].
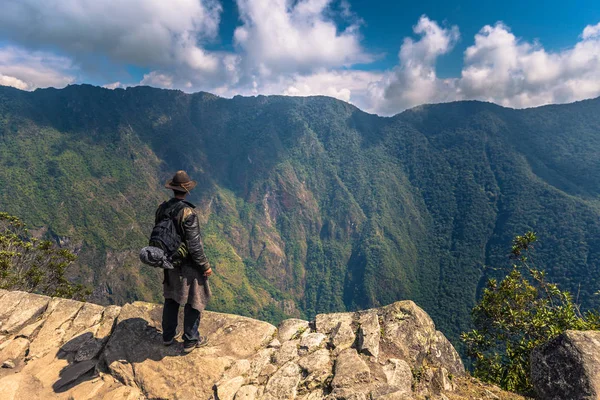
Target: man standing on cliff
[187,283]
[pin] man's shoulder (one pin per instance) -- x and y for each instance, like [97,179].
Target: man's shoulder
[187,209]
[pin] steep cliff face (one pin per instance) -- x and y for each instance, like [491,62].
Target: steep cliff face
[58,348]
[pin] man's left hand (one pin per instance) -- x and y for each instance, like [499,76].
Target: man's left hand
[208,272]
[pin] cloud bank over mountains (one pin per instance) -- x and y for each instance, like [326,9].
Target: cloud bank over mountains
[306,47]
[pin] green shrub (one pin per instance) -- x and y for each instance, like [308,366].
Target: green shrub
[34,265]
[521,312]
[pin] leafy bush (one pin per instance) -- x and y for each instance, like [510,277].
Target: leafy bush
[521,312]
[34,265]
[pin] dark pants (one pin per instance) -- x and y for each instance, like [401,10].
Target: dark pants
[191,321]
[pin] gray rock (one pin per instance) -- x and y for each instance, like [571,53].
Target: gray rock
[440,381]
[14,349]
[287,352]
[248,392]
[91,347]
[326,323]
[347,394]
[409,334]
[398,375]
[568,367]
[369,333]
[66,341]
[8,304]
[317,367]
[284,383]
[399,395]
[350,370]
[258,362]
[59,316]
[266,373]
[320,360]
[312,342]
[29,308]
[227,390]
[443,354]
[342,336]
[314,395]
[239,368]
[292,329]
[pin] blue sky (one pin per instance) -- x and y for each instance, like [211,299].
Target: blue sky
[383,56]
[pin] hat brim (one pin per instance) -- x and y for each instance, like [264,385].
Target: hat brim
[173,186]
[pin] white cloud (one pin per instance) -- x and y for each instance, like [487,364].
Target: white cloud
[498,67]
[347,85]
[30,70]
[414,81]
[501,68]
[12,81]
[149,33]
[114,85]
[278,36]
[282,48]
[591,31]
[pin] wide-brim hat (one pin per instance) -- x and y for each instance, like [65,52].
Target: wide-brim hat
[181,182]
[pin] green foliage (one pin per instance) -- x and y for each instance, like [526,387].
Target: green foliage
[516,315]
[34,265]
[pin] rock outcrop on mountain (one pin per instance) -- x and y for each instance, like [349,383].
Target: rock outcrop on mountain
[59,348]
[568,367]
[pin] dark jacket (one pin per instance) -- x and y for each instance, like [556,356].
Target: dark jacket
[188,228]
[186,283]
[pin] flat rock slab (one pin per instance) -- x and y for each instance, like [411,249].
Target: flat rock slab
[312,342]
[58,318]
[287,352]
[29,308]
[320,360]
[398,375]
[326,323]
[342,336]
[369,333]
[350,370]
[8,304]
[442,354]
[248,392]
[14,349]
[284,383]
[227,390]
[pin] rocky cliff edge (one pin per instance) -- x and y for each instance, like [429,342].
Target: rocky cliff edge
[59,348]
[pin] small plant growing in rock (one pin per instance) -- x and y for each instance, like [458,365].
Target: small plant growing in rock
[516,315]
[33,265]
[299,333]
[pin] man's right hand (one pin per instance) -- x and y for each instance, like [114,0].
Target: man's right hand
[208,273]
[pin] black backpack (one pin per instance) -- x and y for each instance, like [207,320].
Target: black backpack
[164,234]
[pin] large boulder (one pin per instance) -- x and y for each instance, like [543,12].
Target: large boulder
[568,367]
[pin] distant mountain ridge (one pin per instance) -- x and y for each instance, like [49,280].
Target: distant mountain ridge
[309,205]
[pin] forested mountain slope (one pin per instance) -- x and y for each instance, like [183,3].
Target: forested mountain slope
[309,204]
